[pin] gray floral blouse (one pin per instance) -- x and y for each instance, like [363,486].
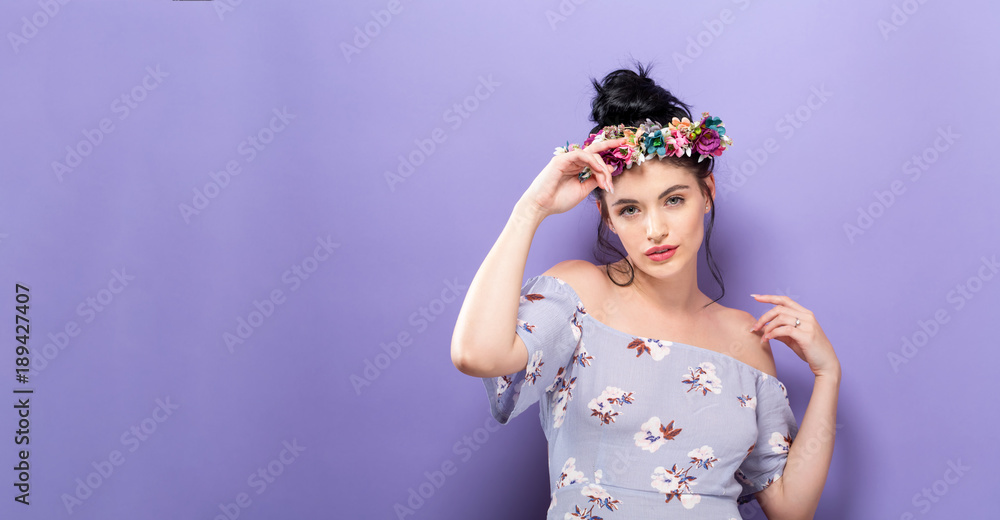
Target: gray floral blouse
[638,427]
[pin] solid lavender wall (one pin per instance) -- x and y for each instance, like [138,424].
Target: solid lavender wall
[892,82]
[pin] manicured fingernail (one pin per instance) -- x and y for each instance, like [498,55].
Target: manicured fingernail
[754,295]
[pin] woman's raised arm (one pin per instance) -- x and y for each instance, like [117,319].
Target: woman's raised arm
[483,343]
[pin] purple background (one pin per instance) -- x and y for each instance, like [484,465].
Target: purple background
[780,229]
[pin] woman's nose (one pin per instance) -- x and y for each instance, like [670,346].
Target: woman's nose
[656,228]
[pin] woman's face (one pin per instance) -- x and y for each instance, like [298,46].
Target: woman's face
[659,204]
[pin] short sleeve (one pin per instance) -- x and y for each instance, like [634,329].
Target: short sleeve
[776,429]
[548,322]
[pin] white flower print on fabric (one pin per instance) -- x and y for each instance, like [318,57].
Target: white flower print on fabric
[558,381]
[503,383]
[655,348]
[603,406]
[676,483]
[570,475]
[521,324]
[654,434]
[594,493]
[581,356]
[703,457]
[563,394]
[582,514]
[576,323]
[780,443]
[534,369]
[746,401]
[704,378]
[597,494]
[689,500]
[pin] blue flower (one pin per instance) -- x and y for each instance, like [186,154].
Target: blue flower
[653,143]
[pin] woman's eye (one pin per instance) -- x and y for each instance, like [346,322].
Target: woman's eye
[628,211]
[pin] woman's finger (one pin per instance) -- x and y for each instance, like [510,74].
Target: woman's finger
[598,168]
[604,171]
[600,146]
[766,317]
[780,300]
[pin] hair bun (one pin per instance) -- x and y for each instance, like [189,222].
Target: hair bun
[629,97]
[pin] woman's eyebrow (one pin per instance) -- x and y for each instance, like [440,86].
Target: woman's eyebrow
[676,187]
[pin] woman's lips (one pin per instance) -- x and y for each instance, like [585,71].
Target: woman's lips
[659,249]
[660,253]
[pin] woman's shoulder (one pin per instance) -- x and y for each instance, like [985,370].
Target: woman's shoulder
[746,345]
[576,269]
[585,278]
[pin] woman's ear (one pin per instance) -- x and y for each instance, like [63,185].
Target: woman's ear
[612,228]
[710,181]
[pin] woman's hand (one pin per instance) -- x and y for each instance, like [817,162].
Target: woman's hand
[558,189]
[807,340]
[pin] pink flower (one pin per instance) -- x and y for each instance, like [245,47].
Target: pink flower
[678,141]
[708,142]
[614,159]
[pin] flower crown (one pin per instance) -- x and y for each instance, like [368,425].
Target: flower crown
[707,138]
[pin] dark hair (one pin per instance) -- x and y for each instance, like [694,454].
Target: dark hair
[629,97]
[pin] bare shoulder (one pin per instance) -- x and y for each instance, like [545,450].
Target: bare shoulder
[748,347]
[587,279]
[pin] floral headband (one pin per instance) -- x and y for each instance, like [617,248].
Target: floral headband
[707,138]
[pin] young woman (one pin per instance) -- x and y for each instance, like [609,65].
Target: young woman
[657,402]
